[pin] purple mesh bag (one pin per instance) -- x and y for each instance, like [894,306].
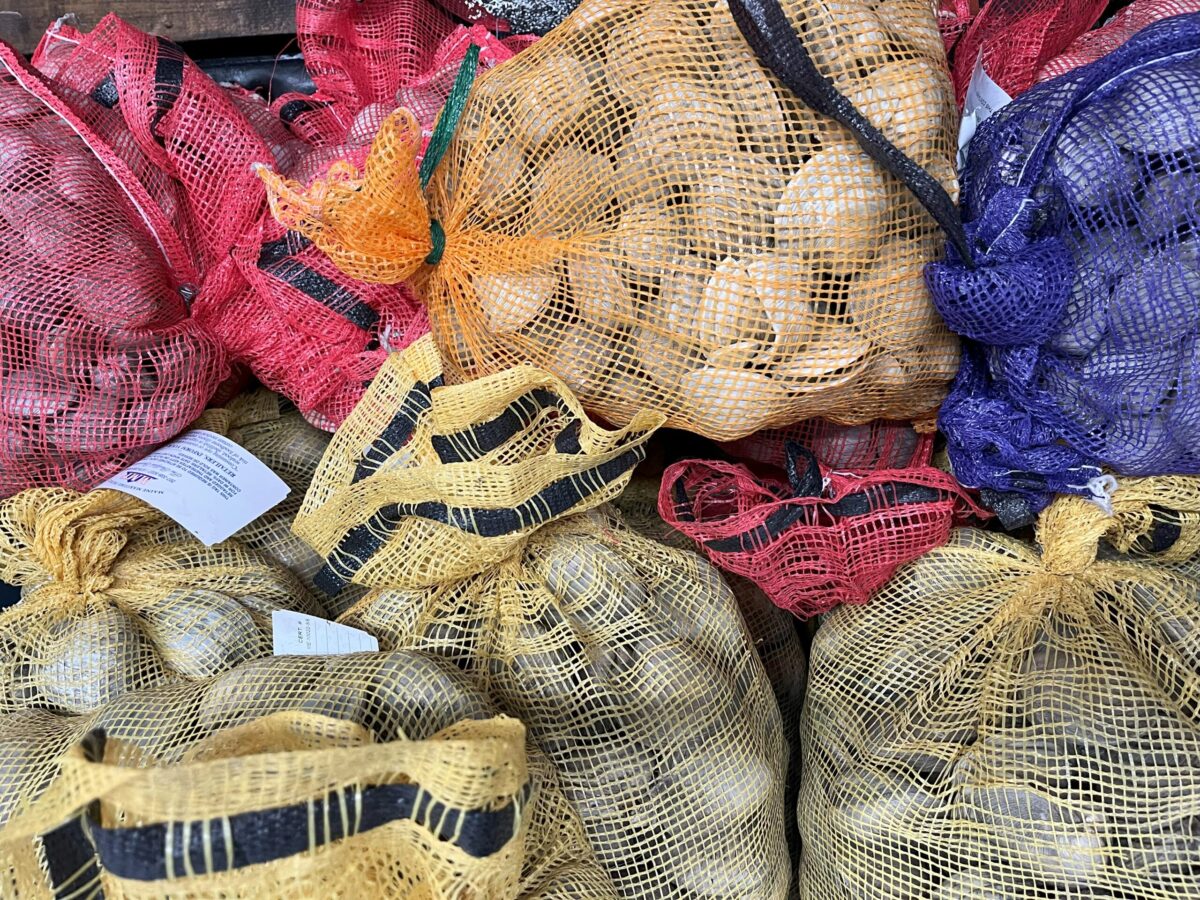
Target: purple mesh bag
[1081,202]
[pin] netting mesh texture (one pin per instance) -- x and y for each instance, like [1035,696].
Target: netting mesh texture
[113,602]
[1081,197]
[99,360]
[1091,45]
[880,444]
[472,511]
[1007,722]
[634,204]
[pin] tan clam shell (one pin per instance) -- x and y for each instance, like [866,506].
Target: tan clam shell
[837,204]
[584,360]
[554,109]
[725,404]
[826,364]
[599,291]
[908,100]
[665,361]
[558,208]
[843,36]
[730,309]
[780,281]
[511,300]
[502,178]
[731,206]
[652,240]
[889,302]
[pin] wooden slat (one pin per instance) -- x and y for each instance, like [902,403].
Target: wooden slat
[22,22]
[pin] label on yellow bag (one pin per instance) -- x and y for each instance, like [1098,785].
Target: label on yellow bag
[295,634]
[205,482]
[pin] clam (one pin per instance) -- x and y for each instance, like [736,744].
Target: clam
[908,100]
[729,403]
[598,291]
[510,301]
[199,632]
[1149,112]
[731,207]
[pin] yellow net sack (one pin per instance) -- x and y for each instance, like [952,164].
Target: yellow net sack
[1004,721]
[108,606]
[476,514]
[385,698]
[642,207]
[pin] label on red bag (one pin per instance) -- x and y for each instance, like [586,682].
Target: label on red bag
[296,634]
[207,483]
[982,99]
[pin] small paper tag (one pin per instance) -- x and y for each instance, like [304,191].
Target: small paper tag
[205,482]
[295,634]
[983,98]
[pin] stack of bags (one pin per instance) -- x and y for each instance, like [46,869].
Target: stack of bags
[664,355]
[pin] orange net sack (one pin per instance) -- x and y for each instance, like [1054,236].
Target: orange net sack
[477,515]
[1007,720]
[641,206]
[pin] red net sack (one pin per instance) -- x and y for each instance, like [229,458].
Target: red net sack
[1018,37]
[954,18]
[276,302]
[1091,45]
[99,359]
[820,538]
[881,444]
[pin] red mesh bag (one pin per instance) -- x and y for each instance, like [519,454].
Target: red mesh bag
[954,18]
[881,444]
[1091,45]
[99,359]
[819,538]
[273,299]
[1018,37]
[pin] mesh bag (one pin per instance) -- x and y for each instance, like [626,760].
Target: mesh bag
[1081,199]
[387,698]
[641,206]
[471,512]
[108,605]
[954,17]
[1091,45]
[98,358]
[819,538]
[881,444]
[275,302]
[1003,722]
[1015,38]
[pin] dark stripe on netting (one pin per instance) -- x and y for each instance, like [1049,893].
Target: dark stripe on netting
[105,93]
[567,440]
[157,852]
[71,863]
[324,290]
[293,109]
[362,542]
[399,430]
[484,437]
[168,81]
[290,244]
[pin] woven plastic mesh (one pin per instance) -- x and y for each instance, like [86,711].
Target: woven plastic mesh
[1091,45]
[1081,197]
[472,513]
[882,444]
[111,605]
[834,541]
[1007,723]
[634,204]
[954,17]
[1016,38]
[275,302]
[285,706]
[98,359]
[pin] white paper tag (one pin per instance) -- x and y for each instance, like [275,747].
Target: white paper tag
[295,634]
[983,98]
[205,482]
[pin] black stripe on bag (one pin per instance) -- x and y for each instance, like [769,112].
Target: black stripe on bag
[770,35]
[105,93]
[72,870]
[364,541]
[182,849]
[275,260]
[484,437]
[168,81]
[293,109]
[399,430]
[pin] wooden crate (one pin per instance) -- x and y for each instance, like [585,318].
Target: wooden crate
[23,21]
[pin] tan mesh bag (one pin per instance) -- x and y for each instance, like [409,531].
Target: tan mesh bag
[639,205]
[1008,722]
[471,510]
[108,607]
[382,697]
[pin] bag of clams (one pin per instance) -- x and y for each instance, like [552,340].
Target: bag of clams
[110,605]
[684,205]
[475,513]
[374,775]
[1006,720]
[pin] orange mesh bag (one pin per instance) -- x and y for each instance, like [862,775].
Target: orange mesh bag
[109,605]
[476,514]
[642,207]
[1008,720]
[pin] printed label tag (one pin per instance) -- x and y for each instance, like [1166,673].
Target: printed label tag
[295,634]
[205,482]
[983,98]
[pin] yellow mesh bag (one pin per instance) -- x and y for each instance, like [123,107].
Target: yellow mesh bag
[639,206]
[107,606]
[376,697]
[1008,722]
[475,512]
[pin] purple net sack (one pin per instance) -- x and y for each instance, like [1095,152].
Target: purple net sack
[1081,201]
